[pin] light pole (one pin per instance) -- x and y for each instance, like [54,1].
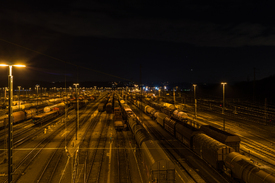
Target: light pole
[195,100]
[223,105]
[174,94]
[19,95]
[37,86]
[77,110]
[10,125]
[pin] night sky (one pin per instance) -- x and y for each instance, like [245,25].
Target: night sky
[175,41]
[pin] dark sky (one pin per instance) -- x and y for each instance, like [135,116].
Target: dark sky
[175,41]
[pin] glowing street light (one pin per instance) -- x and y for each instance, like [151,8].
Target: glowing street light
[10,125]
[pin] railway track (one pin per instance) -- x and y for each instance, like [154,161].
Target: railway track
[84,147]
[47,175]
[123,175]
[95,158]
[21,167]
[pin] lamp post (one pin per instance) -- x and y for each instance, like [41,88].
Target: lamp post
[77,110]
[10,125]
[195,100]
[174,94]
[223,105]
[19,95]
[37,86]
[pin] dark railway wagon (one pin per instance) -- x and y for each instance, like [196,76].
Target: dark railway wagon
[109,108]
[241,168]
[211,150]
[222,136]
[159,168]
[185,133]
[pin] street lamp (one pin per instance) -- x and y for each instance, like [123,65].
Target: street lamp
[223,105]
[10,125]
[19,95]
[37,86]
[195,99]
[77,110]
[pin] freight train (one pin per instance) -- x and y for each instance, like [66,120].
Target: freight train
[119,123]
[219,155]
[175,115]
[31,114]
[159,168]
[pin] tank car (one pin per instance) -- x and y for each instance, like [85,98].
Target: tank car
[158,166]
[241,168]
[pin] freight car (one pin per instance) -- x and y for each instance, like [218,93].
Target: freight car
[118,119]
[45,116]
[222,136]
[211,150]
[109,108]
[159,168]
[241,168]
[217,154]
[102,105]
[50,108]
[206,147]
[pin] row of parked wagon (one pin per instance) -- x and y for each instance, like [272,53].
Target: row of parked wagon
[159,168]
[219,148]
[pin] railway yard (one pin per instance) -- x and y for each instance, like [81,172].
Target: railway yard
[125,137]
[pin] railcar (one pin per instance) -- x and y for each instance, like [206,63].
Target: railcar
[50,108]
[180,115]
[118,119]
[45,116]
[102,105]
[17,117]
[222,136]
[241,168]
[109,108]
[185,133]
[159,168]
[211,150]
[160,118]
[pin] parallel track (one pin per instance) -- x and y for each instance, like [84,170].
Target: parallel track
[96,160]
[124,175]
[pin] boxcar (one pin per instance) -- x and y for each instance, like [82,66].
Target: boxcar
[185,133]
[160,118]
[211,150]
[222,136]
